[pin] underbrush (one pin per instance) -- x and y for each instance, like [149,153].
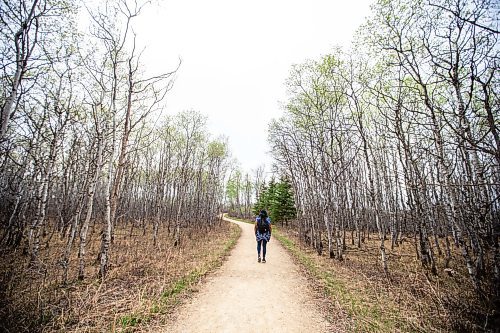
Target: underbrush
[143,286]
[408,299]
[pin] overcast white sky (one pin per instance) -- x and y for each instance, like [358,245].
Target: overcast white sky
[236,56]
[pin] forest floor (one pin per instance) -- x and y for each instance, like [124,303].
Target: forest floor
[247,296]
[407,299]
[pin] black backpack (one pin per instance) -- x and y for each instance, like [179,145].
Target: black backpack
[262,225]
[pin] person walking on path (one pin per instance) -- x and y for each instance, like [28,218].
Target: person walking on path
[263,231]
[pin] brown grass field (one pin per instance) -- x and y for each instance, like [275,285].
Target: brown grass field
[142,287]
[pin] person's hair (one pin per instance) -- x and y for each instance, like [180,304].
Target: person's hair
[263,214]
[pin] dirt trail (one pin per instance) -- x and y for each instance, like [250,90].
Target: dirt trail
[245,296]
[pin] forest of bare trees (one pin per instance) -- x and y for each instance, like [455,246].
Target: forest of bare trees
[242,190]
[84,144]
[92,168]
[399,138]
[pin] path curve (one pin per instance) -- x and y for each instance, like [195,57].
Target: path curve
[245,296]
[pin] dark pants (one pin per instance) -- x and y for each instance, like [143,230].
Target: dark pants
[264,243]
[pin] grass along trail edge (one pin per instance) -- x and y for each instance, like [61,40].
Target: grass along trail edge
[366,315]
[178,290]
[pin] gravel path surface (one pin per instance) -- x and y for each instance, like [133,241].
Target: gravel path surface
[246,296]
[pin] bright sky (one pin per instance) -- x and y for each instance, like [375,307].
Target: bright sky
[236,56]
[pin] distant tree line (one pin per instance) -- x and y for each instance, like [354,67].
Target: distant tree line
[240,190]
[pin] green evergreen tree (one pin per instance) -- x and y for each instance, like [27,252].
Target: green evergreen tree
[271,200]
[283,207]
[266,197]
[277,199]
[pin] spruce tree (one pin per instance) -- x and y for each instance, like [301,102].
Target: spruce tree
[277,199]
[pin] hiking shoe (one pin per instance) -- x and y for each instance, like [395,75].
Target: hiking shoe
[258,260]
[264,260]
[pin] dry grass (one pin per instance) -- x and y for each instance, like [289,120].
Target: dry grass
[409,299]
[143,285]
